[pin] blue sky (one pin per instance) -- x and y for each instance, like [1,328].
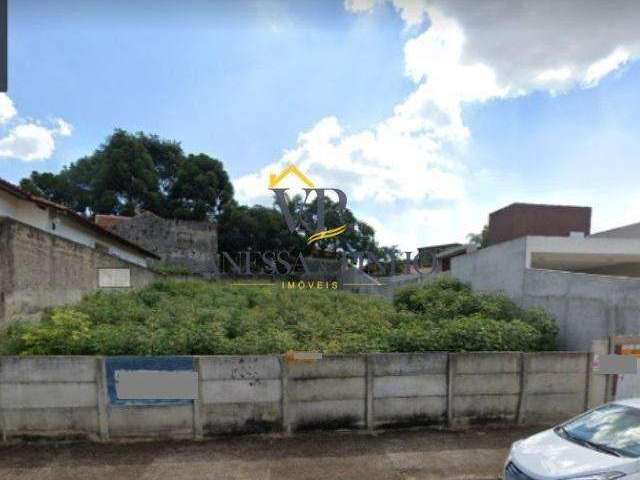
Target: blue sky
[408,106]
[238,81]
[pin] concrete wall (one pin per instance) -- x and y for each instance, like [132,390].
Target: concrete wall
[326,394]
[240,394]
[39,270]
[409,389]
[586,307]
[66,397]
[49,396]
[485,387]
[498,268]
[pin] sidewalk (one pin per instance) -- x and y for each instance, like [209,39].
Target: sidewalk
[392,455]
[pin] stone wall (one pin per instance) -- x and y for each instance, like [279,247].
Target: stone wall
[189,244]
[39,270]
[69,396]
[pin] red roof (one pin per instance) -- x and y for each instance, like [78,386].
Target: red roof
[108,221]
[43,202]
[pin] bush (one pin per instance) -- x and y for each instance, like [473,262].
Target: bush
[173,317]
[447,299]
[66,332]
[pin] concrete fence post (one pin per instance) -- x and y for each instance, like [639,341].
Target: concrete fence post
[3,428]
[587,382]
[522,394]
[368,406]
[284,397]
[451,374]
[197,403]
[101,384]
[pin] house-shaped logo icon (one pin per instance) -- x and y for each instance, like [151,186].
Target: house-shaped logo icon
[290,169]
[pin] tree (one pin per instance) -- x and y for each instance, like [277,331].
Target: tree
[481,239]
[201,189]
[126,179]
[359,236]
[130,172]
[257,228]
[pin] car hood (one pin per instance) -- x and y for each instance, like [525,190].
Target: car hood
[548,456]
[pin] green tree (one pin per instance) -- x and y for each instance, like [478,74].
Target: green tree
[126,179]
[257,228]
[138,171]
[201,189]
[359,236]
[481,239]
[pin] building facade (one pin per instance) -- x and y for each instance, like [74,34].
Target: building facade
[522,219]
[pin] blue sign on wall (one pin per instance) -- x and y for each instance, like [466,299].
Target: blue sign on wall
[117,366]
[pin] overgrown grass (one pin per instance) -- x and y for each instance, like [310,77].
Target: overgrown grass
[197,317]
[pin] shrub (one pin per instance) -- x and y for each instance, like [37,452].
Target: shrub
[174,317]
[66,332]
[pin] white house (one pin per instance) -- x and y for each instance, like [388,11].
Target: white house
[63,222]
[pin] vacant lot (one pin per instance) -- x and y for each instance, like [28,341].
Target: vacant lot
[213,318]
[397,455]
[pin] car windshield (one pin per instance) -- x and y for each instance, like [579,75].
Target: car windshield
[613,428]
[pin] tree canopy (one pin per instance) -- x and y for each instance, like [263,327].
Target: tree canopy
[131,172]
[139,171]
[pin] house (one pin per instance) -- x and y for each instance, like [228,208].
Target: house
[51,255]
[427,254]
[443,258]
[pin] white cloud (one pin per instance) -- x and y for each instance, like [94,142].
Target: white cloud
[468,52]
[357,6]
[62,127]
[412,12]
[7,110]
[604,67]
[29,141]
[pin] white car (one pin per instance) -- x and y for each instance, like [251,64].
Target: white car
[601,444]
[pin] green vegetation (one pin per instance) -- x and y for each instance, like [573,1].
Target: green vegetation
[168,268]
[196,317]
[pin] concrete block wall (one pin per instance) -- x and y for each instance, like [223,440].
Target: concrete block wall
[555,386]
[240,394]
[484,387]
[68,397]
[49,397]
[408,389]
[329,393]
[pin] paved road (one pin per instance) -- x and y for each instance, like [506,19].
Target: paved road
[393,455]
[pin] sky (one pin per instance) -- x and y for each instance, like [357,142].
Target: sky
[428,114]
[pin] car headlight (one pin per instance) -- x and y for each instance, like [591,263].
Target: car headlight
[600,476]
